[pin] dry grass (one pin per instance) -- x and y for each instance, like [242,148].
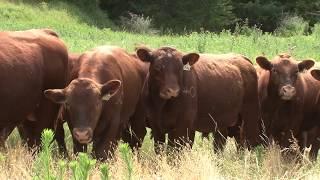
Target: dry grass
[198,163]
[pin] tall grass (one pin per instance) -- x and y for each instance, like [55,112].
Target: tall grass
[81,31]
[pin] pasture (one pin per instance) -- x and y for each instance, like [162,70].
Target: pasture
[82,31]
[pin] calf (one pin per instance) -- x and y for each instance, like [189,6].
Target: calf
[207,93]
[287,95]
[103,98]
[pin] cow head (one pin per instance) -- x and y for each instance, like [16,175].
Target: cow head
[284,72]
[83,99]
[166,68]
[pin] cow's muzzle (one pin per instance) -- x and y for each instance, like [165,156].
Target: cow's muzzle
[169,93]
[287,92]
[82,135]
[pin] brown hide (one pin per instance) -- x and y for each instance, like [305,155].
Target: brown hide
[227,94]
[103,98]
[217,92]
[169,95]
[285,118]
[30,62]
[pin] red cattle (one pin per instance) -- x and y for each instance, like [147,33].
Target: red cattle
[313,124]
[30,62]
[102,100]
[288,97]
[25,129]
[207,93]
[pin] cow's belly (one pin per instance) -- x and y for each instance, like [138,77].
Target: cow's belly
[20,94]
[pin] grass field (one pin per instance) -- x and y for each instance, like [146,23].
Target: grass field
[82,30]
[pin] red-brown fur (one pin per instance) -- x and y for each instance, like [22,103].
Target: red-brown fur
[100,68]
[227,90]
[214,95]
[30,62]
[284,118]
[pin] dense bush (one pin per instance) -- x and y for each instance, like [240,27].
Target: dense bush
[213,15]
[179,15]
[137,24]
[291,26]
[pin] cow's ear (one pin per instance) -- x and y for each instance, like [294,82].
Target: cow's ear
[190,58]
[145,55]
[305,65]
[109,89]
[56,95]
[316,74]
[264,63]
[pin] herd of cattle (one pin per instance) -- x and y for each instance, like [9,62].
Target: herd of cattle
[107,94]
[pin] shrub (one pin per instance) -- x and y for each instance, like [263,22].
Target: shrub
[137,23]
[316,31]
[126,156]
[292,26]
[43,165]
[243,28]
[104,172]
[82,167]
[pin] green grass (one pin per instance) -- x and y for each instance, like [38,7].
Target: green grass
[82,27]
[82,33]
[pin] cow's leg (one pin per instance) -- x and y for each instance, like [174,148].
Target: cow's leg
[159,140]
[313,138]
[138,128]
[157,132]
[59,136]
[250,114]
[105,140]
[181,137]
[104,148]
[220,139]
[26,132]
[4,134]
[314,149]
[236,132]
[250,110]
[46,115]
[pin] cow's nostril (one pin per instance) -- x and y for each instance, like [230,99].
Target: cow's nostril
[284,90]
[81,133]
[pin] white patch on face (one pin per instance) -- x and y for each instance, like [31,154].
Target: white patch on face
[106,97]
[187,67]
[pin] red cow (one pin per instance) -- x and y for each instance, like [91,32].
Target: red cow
[30,62]
[288,97]
[102,101]
[207,93]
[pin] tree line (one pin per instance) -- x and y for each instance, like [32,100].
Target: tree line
[214,15]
